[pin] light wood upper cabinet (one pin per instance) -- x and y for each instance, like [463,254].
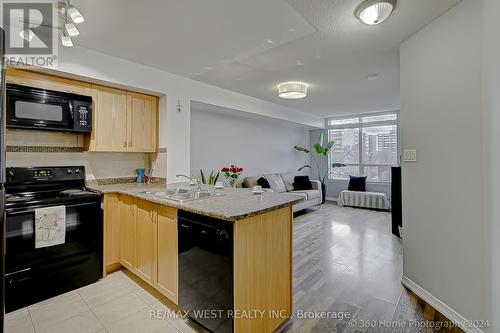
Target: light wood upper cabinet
[146,240]
[48,82]
[123,121]
[109,121]
[128,232]
[167,280]
[141,122]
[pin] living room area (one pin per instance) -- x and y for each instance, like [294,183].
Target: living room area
[345,257]
[348,161]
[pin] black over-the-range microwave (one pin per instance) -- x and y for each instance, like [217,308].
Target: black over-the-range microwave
[34,108]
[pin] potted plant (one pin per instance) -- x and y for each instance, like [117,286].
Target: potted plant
[212,177]
[318,156]
[232,174]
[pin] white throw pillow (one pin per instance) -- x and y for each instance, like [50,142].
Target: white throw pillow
[276,183]
[288,179]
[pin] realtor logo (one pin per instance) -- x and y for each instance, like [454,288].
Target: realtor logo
[31,32]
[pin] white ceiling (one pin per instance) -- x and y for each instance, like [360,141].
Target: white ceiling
[250,46]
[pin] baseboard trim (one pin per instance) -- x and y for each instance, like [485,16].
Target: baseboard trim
[331,199]
[438,305]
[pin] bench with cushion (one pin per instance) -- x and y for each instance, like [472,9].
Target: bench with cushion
[372,200]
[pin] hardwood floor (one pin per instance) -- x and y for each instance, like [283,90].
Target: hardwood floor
[347,263]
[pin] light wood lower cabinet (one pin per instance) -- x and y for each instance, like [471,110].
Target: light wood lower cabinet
[262,260]
[112,206]
[128,232]
[146,240]
[168,257]
[262,257]
[144,235]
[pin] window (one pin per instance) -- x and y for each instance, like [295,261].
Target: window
[367,145]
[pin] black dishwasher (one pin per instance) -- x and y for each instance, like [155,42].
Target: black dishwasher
[206,270]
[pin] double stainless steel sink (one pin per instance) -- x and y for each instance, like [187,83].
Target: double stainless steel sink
[182,194]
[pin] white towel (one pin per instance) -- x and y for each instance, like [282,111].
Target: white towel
[50,226]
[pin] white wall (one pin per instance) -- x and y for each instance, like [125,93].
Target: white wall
[491,130]
[259,145]
[443,225]
[174,126]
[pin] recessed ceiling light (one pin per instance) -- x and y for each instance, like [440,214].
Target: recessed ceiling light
[374,12]
[372,77]
[292,90]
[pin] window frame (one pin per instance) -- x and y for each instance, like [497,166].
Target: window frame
[360,125]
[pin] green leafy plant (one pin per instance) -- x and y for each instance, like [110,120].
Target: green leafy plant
[318,155]
[212,177]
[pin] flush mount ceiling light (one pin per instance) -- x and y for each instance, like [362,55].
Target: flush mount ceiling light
[292,90]
[373,12]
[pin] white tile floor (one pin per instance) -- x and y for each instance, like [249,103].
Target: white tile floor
[118,303]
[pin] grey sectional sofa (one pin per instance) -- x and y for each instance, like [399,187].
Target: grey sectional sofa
[283,183]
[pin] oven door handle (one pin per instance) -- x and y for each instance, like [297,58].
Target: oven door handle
[25,211]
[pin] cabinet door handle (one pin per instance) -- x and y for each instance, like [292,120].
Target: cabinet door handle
[124,143]
[130,143]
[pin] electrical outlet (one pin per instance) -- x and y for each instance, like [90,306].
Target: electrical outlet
[410,155]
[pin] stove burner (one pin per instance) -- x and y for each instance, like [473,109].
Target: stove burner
[18,198]
[74,192]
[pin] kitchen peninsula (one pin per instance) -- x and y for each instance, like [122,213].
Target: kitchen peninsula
[229,251]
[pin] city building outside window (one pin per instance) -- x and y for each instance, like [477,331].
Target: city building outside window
[367,144]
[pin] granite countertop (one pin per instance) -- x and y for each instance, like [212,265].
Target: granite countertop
[234,205]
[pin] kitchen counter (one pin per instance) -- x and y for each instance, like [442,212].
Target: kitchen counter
[153,239]
[236,203]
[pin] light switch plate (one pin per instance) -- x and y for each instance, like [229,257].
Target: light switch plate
[410,155]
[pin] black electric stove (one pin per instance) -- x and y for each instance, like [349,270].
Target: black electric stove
[33,274]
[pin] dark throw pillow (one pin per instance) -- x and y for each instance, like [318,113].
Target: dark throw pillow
[357,184]
[302,183]
[263,182]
